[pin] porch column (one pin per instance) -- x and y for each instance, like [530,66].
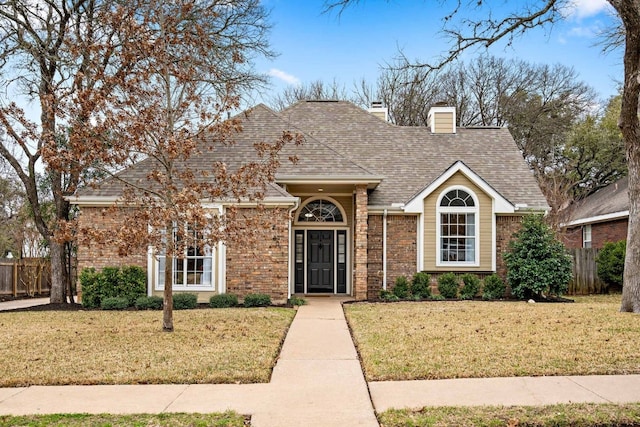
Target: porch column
[360,238]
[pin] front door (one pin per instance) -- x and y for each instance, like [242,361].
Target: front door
[320,261]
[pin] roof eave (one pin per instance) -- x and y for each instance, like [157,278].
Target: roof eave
[598,218]
[371,181]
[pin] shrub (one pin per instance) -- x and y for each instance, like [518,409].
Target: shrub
[610,262]
[437,297]
[257,300]
[421,285]
[185,301]
[401,287]
[294,300]
[448,285]
[470,287]
[223,301]
[149,303]
[114,303]
[128,282]
[387,295]
[536,261]
[494,287]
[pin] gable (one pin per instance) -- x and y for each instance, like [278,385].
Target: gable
[459,173]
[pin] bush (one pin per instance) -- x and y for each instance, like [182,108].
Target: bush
[448,285]
[610,262]
[401,287]
[257,300]
[114,303]
[185,301]
[294,300]
[128,282]
[437,298]
[387,295]
[470,287]
[421,285]
[494,287]
[536,262]
[223,301]
[149,303]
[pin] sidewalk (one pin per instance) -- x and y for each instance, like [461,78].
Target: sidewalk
[317,381]
[22,303]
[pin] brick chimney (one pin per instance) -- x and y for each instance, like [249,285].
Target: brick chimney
[442,119]
[379,111]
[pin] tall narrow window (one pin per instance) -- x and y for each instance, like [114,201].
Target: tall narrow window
[458,230]
[586,236]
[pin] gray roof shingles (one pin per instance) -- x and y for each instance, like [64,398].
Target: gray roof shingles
[611,199]
[343,140]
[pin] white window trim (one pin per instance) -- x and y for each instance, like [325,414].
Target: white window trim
[587,231]
[321,224]
[214,257]
[475,210]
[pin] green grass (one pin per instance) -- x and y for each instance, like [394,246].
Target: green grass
[574,415]
[128,347]
[436,340]
[227,419]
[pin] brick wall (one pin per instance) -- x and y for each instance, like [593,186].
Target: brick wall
[262,266]
[506,226]
[360,239]
[401,251]
[98,255]
[91,254]
[611,231]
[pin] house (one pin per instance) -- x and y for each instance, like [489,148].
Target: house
[599,218]
[367,201]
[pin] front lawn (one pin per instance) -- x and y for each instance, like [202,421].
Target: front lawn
[227,419]
[470,339]
[574,415]
[128,347]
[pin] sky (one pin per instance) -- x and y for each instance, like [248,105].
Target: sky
[347,47]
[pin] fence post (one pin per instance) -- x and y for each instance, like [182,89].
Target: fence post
[15,278]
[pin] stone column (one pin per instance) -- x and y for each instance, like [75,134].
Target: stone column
[360,239]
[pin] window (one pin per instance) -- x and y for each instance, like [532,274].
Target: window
[320,211]
[586,236]
[457,228]
[194,271]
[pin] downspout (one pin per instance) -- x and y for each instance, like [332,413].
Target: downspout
[384,250]
[290,253]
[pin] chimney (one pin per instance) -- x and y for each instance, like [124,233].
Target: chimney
[379,111]
[442,119]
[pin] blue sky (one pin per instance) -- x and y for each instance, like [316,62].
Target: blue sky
[313,45]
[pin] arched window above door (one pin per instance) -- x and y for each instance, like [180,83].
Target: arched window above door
[321,210]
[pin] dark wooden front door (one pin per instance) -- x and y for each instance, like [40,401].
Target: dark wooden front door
[320,261]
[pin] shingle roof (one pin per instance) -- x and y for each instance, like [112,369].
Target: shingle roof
[344,140]
[410,158]
[611,199]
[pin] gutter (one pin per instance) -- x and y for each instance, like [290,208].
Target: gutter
[384,250]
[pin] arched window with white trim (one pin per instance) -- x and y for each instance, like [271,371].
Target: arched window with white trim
[320,210]
[457,227]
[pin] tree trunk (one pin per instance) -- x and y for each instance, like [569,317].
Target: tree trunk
[630,127]
[58,268]
[167,310]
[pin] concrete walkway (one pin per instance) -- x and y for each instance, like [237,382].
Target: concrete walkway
[317,381]
[22,303]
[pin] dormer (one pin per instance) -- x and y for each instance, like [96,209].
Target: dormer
[442,119]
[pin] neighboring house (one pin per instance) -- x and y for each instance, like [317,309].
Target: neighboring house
[368,201]
[599,218]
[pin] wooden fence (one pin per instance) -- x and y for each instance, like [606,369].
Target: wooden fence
[26,276]
[585,277]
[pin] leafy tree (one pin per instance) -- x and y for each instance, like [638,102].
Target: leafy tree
[485,23]
[536,262]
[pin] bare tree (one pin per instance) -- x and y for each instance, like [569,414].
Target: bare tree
[78,62]
[169,114]
[316,90]
[513,22]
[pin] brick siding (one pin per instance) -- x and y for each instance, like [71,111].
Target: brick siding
[601,233]
[401,251]
[261,267]
[506,226]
